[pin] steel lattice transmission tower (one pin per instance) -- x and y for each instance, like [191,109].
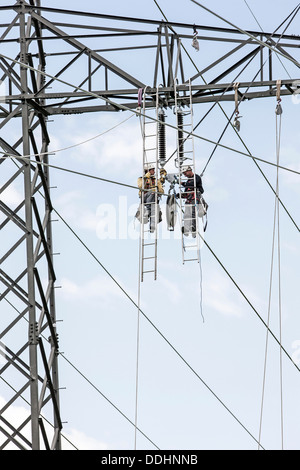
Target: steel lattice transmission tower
[38,43]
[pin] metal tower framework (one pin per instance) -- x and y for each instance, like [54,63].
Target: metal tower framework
[40,48]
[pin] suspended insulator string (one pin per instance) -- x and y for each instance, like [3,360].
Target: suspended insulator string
[162,138]
[180,136]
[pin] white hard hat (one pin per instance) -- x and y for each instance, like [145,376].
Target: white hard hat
[186,168]
[149,166]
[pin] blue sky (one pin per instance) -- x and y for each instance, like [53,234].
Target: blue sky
[99,324]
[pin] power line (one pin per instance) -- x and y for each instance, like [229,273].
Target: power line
[79,173]
[229,120]
[125,108]
[107,399]
[249,34]
[87,380]
[253,15]
[154,326]
[161,334]
[169,125]
[116,182]
[122,184]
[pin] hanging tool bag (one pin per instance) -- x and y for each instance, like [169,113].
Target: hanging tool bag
[202,207]
[171,212]
[142,218]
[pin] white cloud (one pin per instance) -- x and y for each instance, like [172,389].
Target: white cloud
[73,204]
[96,288]
[117,151]
[289,157]
[11,196]
[81,441]
[220,295]
[171,289]
[214,189]
[16,414]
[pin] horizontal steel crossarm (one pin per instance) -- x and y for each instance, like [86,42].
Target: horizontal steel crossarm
[208,94]
[81,47]
[162,90]
[199,27]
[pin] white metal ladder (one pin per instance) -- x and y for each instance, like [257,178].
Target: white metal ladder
[186,157]
[148,239]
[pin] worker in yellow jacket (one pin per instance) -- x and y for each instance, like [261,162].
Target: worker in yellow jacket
[148,183]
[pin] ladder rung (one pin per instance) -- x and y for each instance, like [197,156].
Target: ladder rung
[152,271]
[149,257]
[148,244]
[192,259]
[150,149]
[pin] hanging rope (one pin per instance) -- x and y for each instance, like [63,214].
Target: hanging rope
[137,345]
[236,122]
[278,145]
[195,42]
[278,112]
